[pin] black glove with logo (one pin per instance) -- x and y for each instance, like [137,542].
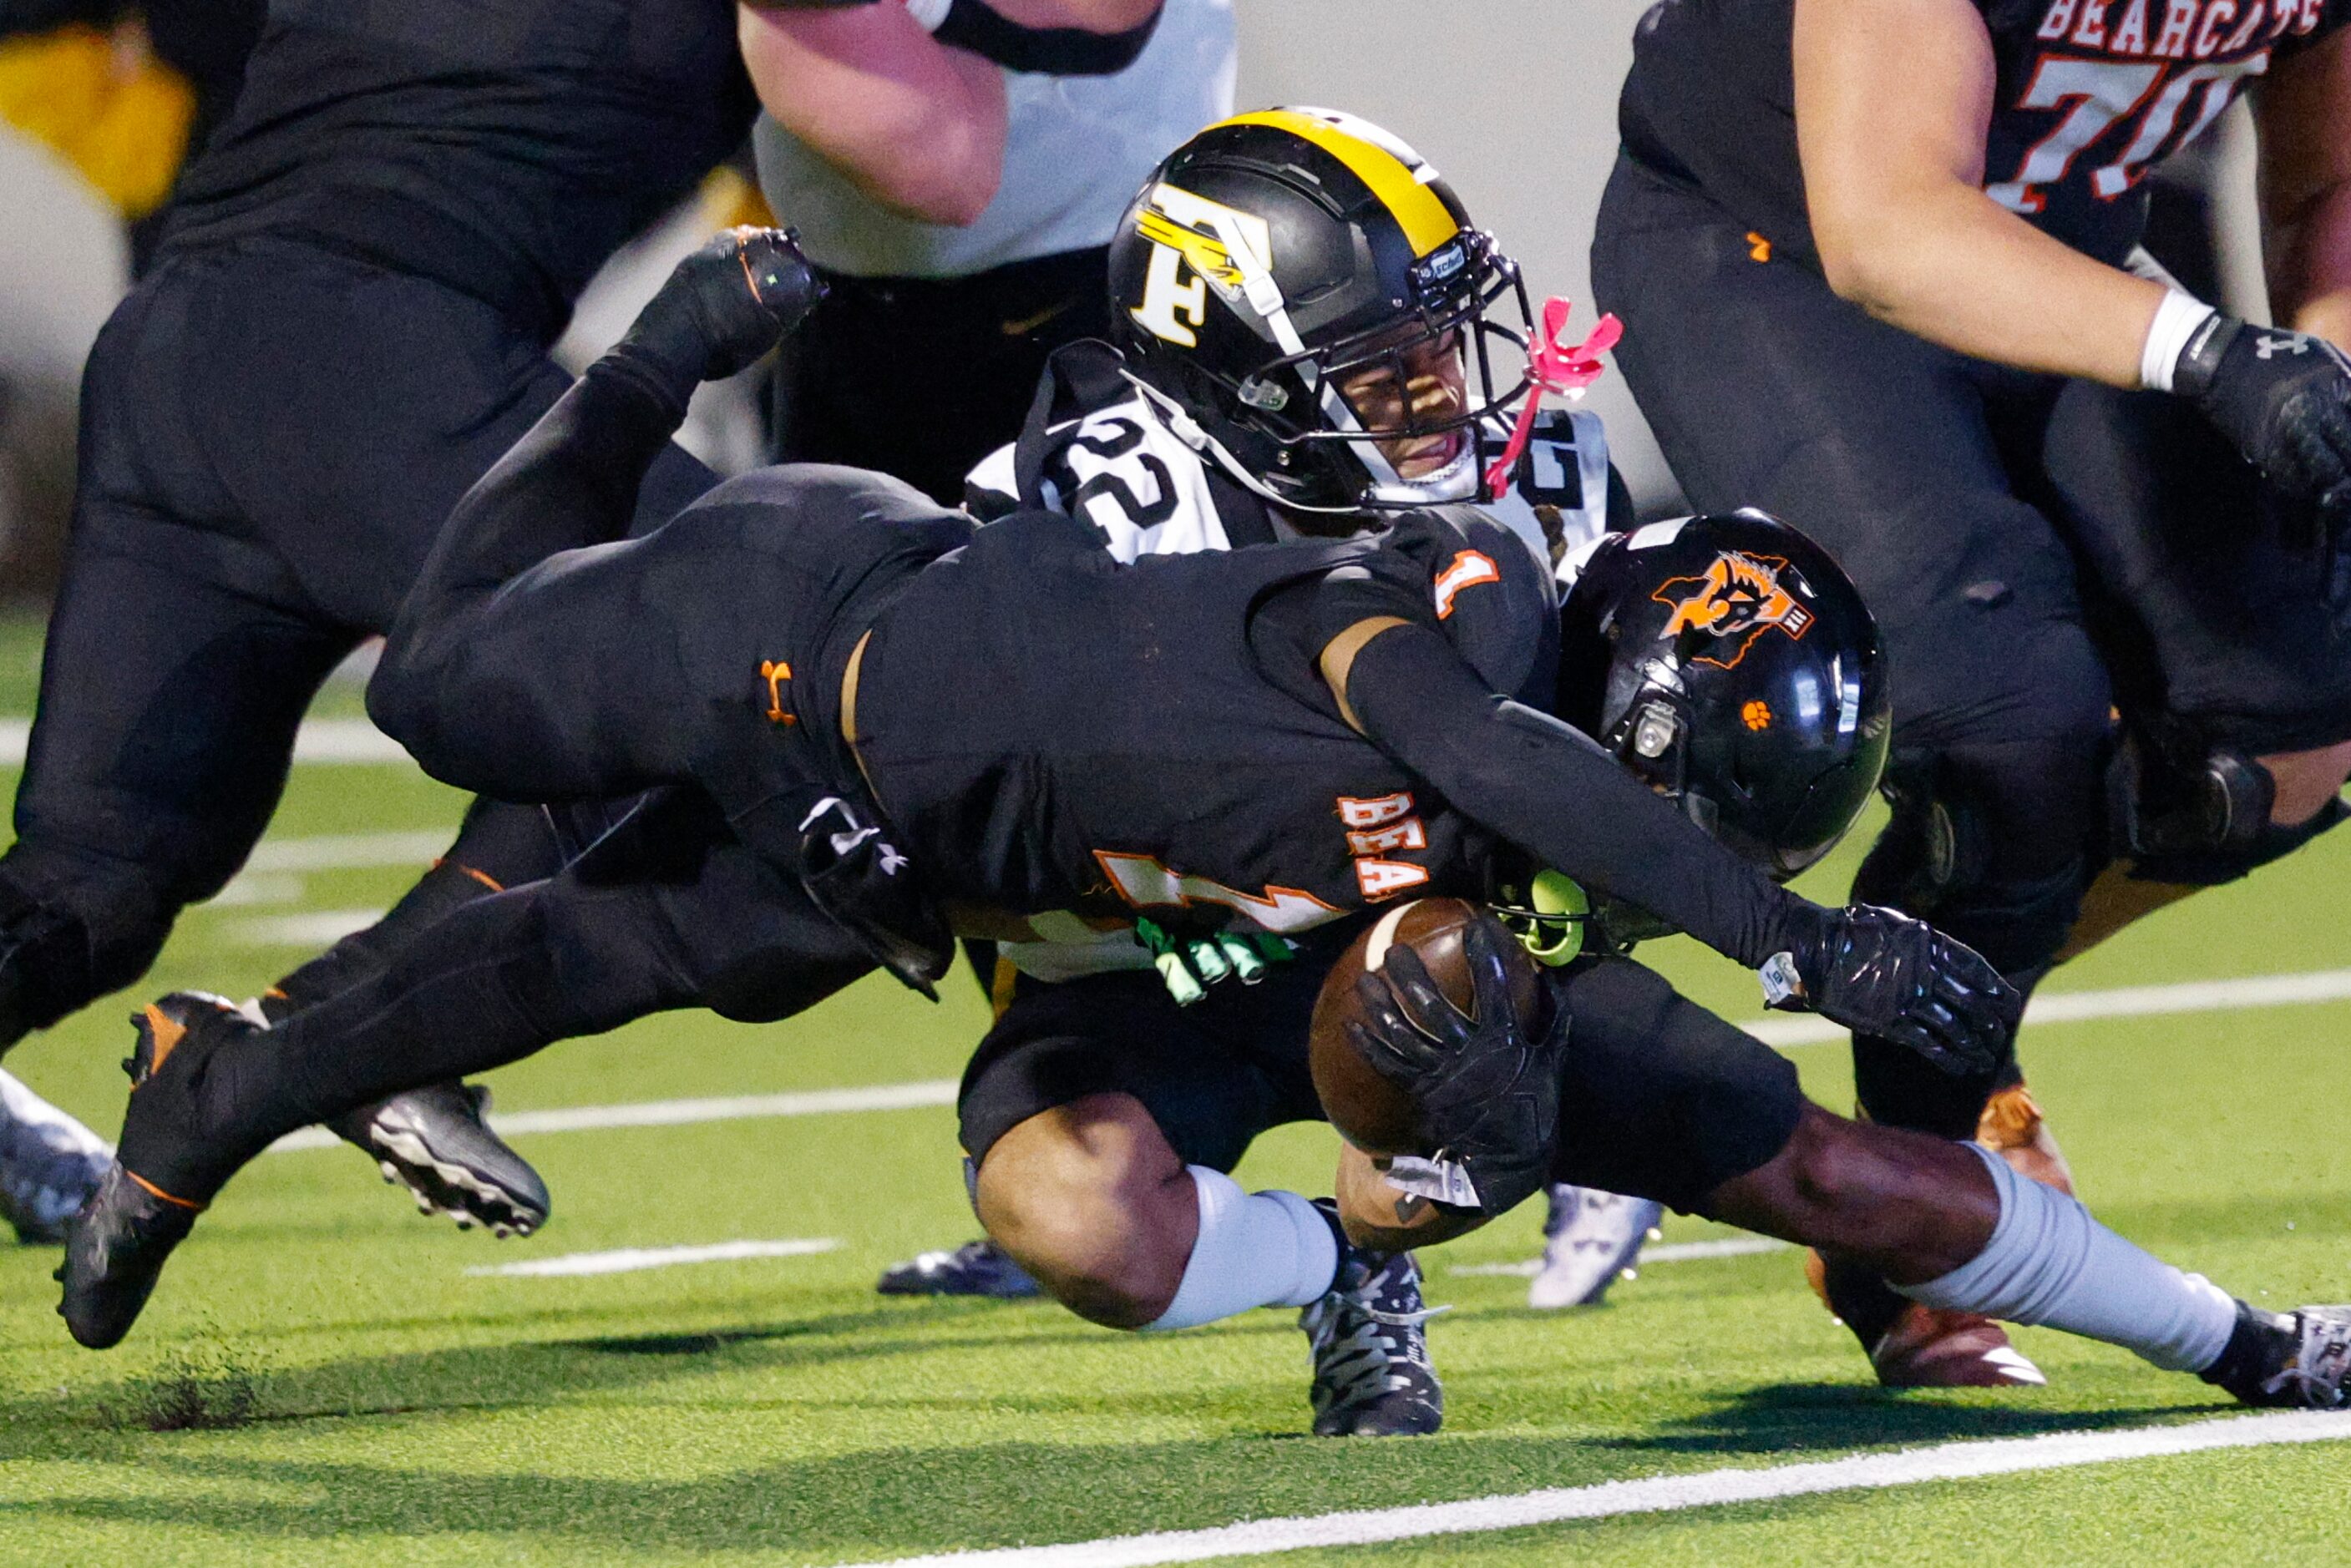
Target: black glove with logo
[721,308]
[2283,398]
[1880,973]
[863,885]
[1486,1087]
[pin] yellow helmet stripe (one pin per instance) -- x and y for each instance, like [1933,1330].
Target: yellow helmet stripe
[1426,225]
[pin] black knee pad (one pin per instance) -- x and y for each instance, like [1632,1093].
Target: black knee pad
[71,929]
[2181,810]
[1984,845]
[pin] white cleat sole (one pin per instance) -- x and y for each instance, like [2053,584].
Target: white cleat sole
[406,1148]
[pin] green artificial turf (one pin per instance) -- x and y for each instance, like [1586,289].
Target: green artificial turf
[386,1407]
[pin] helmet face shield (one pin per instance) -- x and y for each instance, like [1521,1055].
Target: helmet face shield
[1309,292]
[1422,384]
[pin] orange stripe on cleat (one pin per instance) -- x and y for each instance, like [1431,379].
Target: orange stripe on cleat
[166,1032]
[150,1188]
[484,877]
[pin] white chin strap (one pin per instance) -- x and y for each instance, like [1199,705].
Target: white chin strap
[1457,480]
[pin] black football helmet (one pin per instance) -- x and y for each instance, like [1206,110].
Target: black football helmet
[1278,254]
[1730,662]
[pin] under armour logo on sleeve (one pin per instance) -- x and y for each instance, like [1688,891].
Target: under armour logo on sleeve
[2268,347]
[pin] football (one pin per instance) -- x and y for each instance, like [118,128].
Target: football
[1369,1111]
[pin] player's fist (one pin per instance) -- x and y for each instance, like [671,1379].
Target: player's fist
[1880,973]
[2283,398]
[726,305]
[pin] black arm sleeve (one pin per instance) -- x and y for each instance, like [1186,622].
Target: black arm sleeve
[1556,794]
[975,26]
[523,664]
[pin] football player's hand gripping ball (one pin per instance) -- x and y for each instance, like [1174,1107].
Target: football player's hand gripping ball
[2283,399]
[1880,973]
[1486,1086]
[726,305]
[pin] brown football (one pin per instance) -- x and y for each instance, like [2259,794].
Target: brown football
[1369,1111]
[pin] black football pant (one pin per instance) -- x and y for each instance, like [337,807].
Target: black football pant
[271,438]
[667,910]
[922,378]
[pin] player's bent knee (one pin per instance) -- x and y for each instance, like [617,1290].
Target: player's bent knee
[1091,1200]
[72,928]
[1986,838]
[2189,813]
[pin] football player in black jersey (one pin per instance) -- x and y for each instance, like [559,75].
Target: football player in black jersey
[802,645]
[1095,1091]
[347,323]
[1878,265]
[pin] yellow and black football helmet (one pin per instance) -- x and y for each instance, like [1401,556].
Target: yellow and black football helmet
[1278,254]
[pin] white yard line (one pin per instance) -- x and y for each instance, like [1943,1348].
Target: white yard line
[1670,1252]
[1658,1494]
[349,851]
[916,1096]
[2123,1001]
[310,928]
[635,1260]
[319,741]
[2072,1007]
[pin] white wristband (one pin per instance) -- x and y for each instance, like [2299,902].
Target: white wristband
[2175,321]
[929,14]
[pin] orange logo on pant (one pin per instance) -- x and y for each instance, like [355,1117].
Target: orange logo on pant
[775,672]
[1738,600]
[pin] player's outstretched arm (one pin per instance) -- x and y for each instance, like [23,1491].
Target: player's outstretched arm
[522,663]
[1556,794]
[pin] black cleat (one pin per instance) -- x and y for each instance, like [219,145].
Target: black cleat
[436,1142]
[2297,1359]
[975,1269]
[115,1251]
[117,1245]
[1372,1372]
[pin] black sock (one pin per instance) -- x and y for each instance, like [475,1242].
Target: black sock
[1348,1252]
[2244,1359]
[1860,1295]
[499,847]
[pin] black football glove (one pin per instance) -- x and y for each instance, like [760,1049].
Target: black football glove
[1486,1087]
[721,307]
[1880,973]
[2283,399]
